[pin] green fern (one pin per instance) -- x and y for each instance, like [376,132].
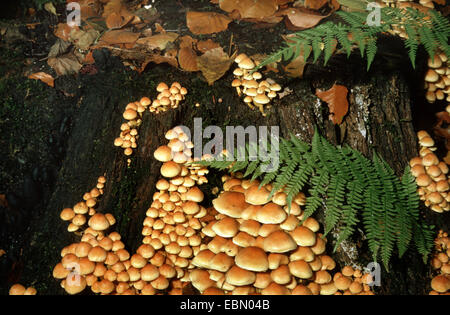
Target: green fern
[431,30]
[351,189]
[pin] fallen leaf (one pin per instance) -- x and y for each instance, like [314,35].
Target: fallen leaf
[159,28]
[206,22]
[89,8]
[2,252]
[296,67]
[89,58]
[336,98]
[249,8]
[60,47]
[187,41]
[187,59]
[83,39]
[66,64]
[119,37]
[214,64]
[315,4]
[44,77]
[302,18]
[283,2]
[205,45]
[63,31]
[116,21]
[158,41]
[259,9]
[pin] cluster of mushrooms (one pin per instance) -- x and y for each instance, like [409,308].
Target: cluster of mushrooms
[254,244]
[440,284]
[431,175]
[18,289]
[246,83]
[77,214]
[437,78]
[127,139]
[168,97]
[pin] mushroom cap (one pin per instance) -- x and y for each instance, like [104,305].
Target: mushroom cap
[203,258]
[161,87]
[271,213]
[257,196]
[226,227]
[343,283]
[240,277]
[275,289]
[17,289]
[261,99]
[97,254]
[221,262]
[301,290]
[253,259]
[195,194]
[240,57]
[281,275]
[300,269]
[304,236]
[230,203]
[431,76]
[67,214]
[74,284]
[130,114]
[59,272]
[246,63]
[149,272]
[99,222]
[163,153]
[200,279]
[170,169]
[279,242]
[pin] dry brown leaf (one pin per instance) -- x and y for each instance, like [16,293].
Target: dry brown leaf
[119,37]
[336,98]
[187,59]
[249,8]
[259,9]
[447,158]
[205,45]
[66,64]
[187,41]
[301,18]
[206,22]
[296,67]
[44,77]
[89,8]
[116,21]
[159,28]
[315,4]
[214,64]
[158,41]
[89,58]
[59,47]
[83,39]
[63,31]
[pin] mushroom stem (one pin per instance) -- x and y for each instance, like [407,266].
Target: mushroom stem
[238,89]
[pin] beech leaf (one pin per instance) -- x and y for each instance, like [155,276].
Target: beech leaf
[206,22]
[214,64]
[336,98]
[44,77]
